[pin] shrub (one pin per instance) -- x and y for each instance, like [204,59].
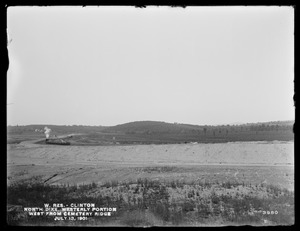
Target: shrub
[188,206]
[149,202]
[140,218]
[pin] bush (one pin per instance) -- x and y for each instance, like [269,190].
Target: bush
[148,201]
[140,218]
[188,206]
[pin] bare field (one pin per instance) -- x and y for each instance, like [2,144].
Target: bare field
[257,162]
[161,185]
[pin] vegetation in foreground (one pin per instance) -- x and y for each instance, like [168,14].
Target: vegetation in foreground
[147,202]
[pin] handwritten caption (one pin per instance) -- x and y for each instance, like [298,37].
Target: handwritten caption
[72,212]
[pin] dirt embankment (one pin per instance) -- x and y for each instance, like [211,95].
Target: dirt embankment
[240,153]
[249,162]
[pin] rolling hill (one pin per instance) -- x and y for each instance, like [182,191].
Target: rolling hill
[152,127]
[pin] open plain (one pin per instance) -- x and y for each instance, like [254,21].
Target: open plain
[257,162]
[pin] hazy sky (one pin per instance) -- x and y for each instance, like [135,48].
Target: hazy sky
[112,65]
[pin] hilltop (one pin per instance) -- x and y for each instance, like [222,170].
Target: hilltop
[152,127]
[163,127]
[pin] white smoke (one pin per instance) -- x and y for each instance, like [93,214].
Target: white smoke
[47,132]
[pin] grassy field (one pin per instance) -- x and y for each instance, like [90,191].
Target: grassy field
[162,195]
[147,202]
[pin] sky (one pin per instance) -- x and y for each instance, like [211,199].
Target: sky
[113,65]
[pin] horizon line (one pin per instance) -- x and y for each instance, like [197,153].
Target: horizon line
[220,124]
